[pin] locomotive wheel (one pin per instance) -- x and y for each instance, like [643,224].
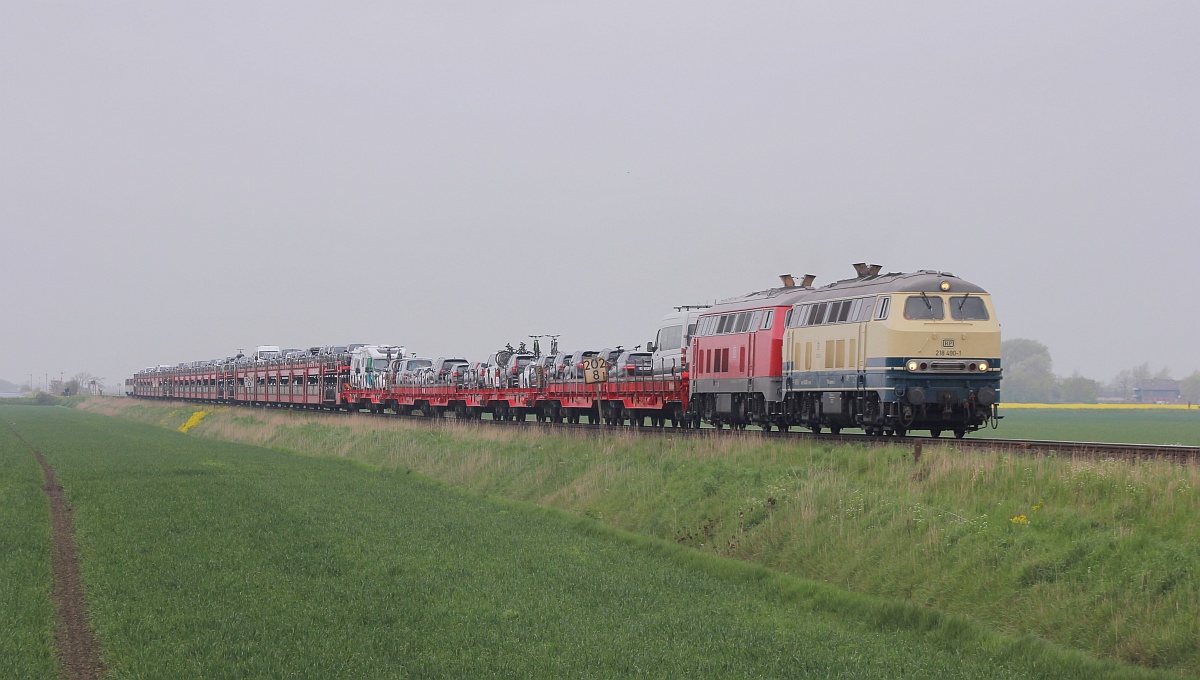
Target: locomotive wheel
[835,429]
[900,431]
[816,429]
[935,433]
[959,433]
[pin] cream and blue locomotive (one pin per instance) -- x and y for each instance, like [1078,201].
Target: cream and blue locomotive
[892,353]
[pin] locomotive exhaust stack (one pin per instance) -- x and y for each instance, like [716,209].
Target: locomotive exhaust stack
[864,270]
[789,281]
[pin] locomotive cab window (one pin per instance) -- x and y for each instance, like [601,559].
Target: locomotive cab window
[844,311]
[767,319]
[885,304]
[818,316]
[743,322]
[967,308]
[924,308]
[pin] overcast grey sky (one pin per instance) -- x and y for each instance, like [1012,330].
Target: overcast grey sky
[179,180]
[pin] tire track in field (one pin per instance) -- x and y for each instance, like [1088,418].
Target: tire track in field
[78,648]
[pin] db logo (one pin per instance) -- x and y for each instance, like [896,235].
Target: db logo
[948,342]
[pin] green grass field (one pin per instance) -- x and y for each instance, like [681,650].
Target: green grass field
[1094,555]
[211,559]
[1134,426]
[26,612]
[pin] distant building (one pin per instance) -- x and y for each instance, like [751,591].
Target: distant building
[1157,391]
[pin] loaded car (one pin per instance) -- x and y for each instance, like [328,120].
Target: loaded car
[561,361]
[545,366]
[610,354]
[504,368]
[412,371]
[446,370]
[573,367]
[631,364]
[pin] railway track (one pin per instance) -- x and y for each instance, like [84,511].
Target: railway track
[1035,447]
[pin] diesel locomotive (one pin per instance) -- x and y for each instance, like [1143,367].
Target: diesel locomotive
[888,353]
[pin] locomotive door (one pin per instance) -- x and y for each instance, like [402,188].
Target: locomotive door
[860,354]
[750,359]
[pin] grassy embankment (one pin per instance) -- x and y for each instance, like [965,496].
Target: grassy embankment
[1098,556]
[205,558]
[26,612]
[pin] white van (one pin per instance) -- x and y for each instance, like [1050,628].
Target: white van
[370,365]
[266,352]
[674,335]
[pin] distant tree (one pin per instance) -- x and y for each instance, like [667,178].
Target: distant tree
[83,377]
[1189,387]
[1163,374]
[1079,390]
[1021,349]
[1123,383]
[1028,371]
[81,382]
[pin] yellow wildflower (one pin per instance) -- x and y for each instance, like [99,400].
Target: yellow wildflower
[193,421]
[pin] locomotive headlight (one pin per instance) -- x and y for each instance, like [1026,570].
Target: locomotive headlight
[945,285]
[983,366]
[912,365]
